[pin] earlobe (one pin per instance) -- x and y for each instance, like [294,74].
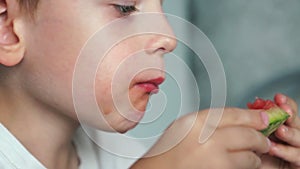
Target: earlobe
[11,50]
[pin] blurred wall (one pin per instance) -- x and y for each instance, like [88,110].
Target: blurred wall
[258,42]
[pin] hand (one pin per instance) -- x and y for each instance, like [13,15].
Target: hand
[234,144]
[271,162]
[289,134]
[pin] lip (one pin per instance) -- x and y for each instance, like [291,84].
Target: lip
[151,86]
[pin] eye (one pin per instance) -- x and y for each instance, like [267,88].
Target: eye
[125,10]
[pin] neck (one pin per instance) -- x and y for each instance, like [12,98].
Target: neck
[47,135]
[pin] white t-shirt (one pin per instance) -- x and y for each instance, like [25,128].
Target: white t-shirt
[13,155]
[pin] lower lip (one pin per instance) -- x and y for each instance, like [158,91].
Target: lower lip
[149,87]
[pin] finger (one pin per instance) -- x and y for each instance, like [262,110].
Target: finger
[242,117]
[283,99]
[293,104]
[295,123]
[291,107]
[287,108]
[271,162]
[287,153]
[294,120]
[280,99]
[288,135]
[243,139]
[245,160]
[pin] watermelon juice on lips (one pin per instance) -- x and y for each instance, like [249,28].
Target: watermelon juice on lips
[151,86]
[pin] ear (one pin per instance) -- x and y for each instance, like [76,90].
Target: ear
[11,49]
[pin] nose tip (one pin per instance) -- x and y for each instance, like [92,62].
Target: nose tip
[169,43]
[164,40]
[161,43]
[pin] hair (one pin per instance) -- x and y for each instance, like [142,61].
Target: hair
[28,6]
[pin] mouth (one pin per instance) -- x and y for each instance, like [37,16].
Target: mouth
[151,86]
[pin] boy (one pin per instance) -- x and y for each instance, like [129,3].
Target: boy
[39,45]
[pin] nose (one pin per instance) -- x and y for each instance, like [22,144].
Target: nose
[163,41]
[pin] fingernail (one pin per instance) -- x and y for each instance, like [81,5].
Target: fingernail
[265,118]
[284,129]
[284,99]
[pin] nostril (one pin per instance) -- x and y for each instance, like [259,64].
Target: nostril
[162,44]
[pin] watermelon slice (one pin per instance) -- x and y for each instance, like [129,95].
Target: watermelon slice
[277,116]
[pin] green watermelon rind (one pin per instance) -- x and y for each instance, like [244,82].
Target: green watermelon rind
[277,117]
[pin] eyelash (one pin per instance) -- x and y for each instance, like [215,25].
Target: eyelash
[125,10]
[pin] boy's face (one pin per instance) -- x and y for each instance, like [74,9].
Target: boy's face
[53,42]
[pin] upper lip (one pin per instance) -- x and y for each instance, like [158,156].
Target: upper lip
[155,81]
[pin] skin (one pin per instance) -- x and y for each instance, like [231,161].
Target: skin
[233,142]
[37,59]
[285,150]
[231,146]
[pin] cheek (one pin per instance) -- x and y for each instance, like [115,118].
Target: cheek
[52,48]
[104,88]
[103,92]
[113,85]
[54,40]
[47,69]
[50,60]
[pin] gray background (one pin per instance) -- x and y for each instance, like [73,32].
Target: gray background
[258,42]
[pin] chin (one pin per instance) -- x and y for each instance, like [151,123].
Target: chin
[121,124]
[124,127]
